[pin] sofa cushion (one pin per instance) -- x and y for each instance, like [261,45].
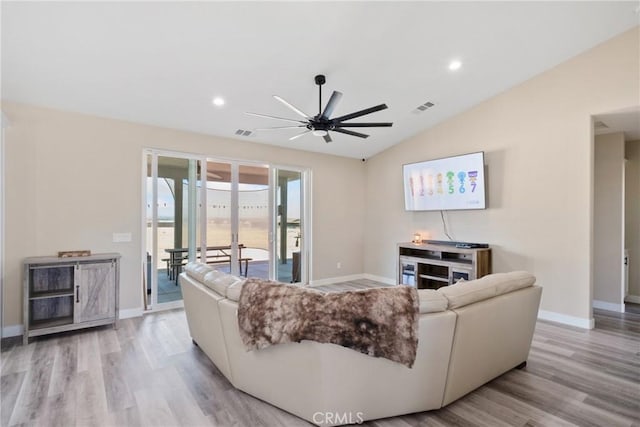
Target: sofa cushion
[219,281]
[468,292]
[197,270]
[431,301]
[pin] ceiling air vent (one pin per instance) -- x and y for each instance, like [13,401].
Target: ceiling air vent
[242,132]
[423,107]
[600,125]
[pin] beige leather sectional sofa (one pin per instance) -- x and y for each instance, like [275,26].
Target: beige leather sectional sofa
[469,333]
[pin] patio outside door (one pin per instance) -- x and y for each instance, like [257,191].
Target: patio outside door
[242,218]
[172,225]
[218,227]
[261,214]
[290,243]
[253,210]
[238,216]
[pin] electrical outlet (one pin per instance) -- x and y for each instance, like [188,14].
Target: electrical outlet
[339,265]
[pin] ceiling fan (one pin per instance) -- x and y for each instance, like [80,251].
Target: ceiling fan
[322,124]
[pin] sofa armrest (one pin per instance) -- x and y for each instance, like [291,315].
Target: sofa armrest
[203,317]
[491,337]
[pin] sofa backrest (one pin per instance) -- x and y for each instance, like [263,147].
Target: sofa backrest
[431,301]
[469,292]
[215,280]
[197,270]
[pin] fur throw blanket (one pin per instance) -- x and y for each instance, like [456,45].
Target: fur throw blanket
[379,322]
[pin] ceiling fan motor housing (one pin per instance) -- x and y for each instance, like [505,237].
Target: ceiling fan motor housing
[321,124]
[318,123]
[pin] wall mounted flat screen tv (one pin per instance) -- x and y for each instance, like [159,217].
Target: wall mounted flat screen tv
[451,183]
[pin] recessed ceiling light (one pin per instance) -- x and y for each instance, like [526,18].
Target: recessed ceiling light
[218,101]
[455,65]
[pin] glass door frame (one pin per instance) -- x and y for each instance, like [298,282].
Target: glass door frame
[305,219]
[192,200]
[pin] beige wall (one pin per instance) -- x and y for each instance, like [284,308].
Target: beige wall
[72,180]
[4,122]
[632,215]
[538,144]
[608,232]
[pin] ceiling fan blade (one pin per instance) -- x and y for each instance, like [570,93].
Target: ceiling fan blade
[273,117]
[299,135]
[281,127]
[292,107]
[363,125]
[327,138]
[350,132]
[331,105]
[360,113]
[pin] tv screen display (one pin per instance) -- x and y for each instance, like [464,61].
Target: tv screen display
[445,184]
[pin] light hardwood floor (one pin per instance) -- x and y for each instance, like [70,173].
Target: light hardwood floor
[148,372]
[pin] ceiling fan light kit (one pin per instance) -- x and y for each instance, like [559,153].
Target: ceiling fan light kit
[322,124]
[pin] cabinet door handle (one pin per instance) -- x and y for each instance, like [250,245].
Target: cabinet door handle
[77,293]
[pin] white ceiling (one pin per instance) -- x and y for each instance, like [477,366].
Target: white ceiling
[161,63]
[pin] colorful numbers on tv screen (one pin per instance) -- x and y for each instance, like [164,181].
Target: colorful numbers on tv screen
[461,182]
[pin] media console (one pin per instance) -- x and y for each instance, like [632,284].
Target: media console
[431,266]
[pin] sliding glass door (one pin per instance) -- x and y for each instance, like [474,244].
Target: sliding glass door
[171,218]
[218,229]
[244,218]
[290,246]
[237,218]
[253,211]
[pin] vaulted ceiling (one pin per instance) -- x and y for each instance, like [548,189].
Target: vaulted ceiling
[162,63]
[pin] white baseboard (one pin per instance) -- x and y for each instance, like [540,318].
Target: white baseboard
[609,306]
[579,322]
[11,331]
[130,312]
[633,298]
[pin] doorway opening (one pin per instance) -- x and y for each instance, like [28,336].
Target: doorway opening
[616,214]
